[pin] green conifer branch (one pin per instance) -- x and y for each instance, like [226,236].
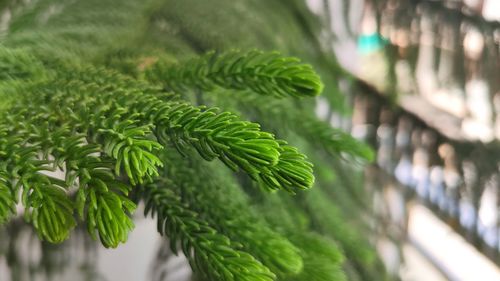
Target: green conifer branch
[110,116]
[51,209]
[214,134]
[107,132]
[209,192]
[264,73]
[292,172]
[362,257]
[44,198]
[304,123]
[124,137]
[101,199]
[18,65]
[335,141]
[211,254]
[322,258]
[7,200]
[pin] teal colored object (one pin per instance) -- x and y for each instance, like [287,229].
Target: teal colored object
[369,43]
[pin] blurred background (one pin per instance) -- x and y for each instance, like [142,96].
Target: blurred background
[430,105]
[423,89]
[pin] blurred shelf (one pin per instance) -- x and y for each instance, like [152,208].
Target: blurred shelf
[444,122]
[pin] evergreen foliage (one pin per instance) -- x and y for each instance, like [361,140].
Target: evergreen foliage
[131,101]
[263,73]
[210,253]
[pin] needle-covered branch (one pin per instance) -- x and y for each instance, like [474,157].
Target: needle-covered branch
[264,73]
[211,254]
